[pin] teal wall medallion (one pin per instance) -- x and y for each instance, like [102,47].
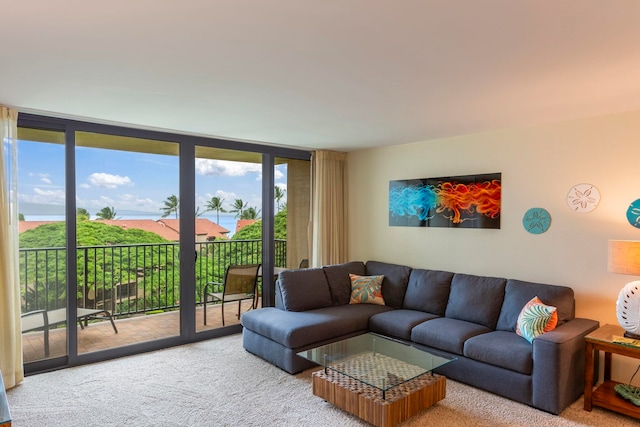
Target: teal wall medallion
[536,220]
[633,214]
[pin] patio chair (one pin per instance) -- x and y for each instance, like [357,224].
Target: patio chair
[44,320]
[240,283]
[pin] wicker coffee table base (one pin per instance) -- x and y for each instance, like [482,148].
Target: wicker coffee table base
[365,402]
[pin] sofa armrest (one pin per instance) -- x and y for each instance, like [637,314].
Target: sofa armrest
[558,365]
[569,330]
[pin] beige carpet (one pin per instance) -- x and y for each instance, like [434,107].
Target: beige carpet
[217,383]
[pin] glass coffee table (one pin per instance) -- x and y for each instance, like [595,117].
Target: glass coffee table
[379,379]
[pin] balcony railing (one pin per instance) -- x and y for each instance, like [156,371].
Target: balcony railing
[130,279]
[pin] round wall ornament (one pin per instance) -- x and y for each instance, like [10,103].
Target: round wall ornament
[536,220]
[633,214]
[583,198]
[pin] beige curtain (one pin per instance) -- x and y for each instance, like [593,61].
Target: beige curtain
[10,333]
[298,211]
[329,208]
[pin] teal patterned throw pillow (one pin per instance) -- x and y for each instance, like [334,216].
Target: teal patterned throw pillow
[366,289]
[535,319]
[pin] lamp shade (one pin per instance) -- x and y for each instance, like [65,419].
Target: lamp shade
[624,257]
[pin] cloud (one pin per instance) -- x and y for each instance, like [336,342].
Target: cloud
[45,179]
[105,180]
[43,196]
[210,167]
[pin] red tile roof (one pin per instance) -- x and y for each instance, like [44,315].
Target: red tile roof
[30,225]
[203,227]
[146,225]
[242,223]
[166,228]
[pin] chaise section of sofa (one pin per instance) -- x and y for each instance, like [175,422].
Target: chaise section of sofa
[472,318]
[308,314]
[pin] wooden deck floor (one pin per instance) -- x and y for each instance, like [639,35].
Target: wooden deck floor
[100,335]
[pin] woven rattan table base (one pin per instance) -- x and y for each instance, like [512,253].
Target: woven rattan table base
[364,401]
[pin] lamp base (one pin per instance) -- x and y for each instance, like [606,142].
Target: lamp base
[630,335]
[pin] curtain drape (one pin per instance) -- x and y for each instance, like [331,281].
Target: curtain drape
[329,208]
[10,331]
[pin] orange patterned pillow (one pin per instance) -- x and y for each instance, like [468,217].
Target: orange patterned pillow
[366,289]
[535,319]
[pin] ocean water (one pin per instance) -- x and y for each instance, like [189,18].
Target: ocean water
[226,221]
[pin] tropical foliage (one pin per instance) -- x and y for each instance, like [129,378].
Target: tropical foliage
[108,256]
[106,213]
[215,204]
[171,205]
[101,262]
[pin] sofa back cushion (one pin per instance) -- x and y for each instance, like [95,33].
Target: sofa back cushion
[518,293]
[476,299]
[428,291]
[394,285]
[303,290]
[339,281]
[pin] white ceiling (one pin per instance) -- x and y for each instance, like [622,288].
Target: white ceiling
[330,74]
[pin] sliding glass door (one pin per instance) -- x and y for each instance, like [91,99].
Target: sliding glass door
[142,227]
[42,253]
[228,227]
[127,240]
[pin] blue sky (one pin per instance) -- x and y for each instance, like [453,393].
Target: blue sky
[130,182]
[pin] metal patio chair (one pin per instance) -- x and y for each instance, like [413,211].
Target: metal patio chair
[45,320]
[240,283]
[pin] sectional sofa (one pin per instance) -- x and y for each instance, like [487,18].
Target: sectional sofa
[471,318]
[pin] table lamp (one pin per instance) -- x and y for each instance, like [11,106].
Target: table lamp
[624,258]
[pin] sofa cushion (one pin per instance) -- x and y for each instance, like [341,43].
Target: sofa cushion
[339,282]
[366,289]
[518,292]
[446,334]
[398,323]
[300,329]
[303,290]
[428,291]
[394,285]
[535,319]
[501,349]
[476,299]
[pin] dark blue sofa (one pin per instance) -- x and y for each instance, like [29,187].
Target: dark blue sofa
[472,318]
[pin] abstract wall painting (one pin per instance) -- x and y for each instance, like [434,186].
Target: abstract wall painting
[468,201]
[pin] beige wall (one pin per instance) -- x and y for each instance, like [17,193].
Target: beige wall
[539,165]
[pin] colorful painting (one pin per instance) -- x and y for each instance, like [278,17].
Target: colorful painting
[470,201]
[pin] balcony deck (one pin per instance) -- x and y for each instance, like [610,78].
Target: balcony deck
[100,335]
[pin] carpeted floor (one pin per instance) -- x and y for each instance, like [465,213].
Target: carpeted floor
[217,383]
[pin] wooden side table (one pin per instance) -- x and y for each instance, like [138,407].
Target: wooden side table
[604,395]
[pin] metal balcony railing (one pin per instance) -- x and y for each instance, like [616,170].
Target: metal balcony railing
[130,279]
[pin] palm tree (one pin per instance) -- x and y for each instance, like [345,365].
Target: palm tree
[215,204]
[172,204]
[278,195]
[250,213]
[106,213]
[82,214]
[238,207]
